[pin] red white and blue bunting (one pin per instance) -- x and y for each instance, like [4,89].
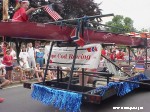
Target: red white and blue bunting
[71,101]
[122,88]
[64,100]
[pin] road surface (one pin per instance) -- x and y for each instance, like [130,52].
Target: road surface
[18,99]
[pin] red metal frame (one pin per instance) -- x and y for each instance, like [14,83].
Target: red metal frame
[62,33]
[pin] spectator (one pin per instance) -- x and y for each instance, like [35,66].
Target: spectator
[120,55]
[39,57]
[3,81]
[113,56]
[13,53]
[24,58]
[46,51]
[8,61]
[36,49]
[1,50]
[1,58]
[50,74]
[18,70]
[31,58]
[103,52]
[4,47]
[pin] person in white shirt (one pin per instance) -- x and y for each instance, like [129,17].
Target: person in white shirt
[24,58]
[13,53]
[31,54]
[46,51]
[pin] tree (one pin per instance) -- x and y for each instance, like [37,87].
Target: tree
[119,24]
[67,9]
[143,30]
[80,8]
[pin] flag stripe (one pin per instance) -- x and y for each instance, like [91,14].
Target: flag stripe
[52,13]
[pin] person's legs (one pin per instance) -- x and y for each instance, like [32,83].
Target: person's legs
[22,76]
[41,62]
[29,62]
[42,74]
[9,75]
[38,60]
[46,60]
[33,62]
[52,75]
[49,75]
[37,75]
[5,82]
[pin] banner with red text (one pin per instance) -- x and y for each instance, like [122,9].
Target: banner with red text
[88,56]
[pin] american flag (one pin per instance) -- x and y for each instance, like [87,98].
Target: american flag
[52,13]
[76,37]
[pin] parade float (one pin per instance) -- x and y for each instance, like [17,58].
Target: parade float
[78,47]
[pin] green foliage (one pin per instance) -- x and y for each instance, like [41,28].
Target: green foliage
[143,30]
[121,24]
[80,8]
[66,8]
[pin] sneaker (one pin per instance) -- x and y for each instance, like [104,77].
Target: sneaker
[1,100]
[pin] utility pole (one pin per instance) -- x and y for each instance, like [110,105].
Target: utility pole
[5,10]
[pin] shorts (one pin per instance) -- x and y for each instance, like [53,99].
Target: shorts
[9,68]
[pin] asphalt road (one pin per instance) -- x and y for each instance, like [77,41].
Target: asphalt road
[18,99]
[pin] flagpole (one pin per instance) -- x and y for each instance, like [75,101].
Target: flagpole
[40,7]
[85,17]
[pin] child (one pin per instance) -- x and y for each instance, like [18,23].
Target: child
[21,15]
[8,62]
